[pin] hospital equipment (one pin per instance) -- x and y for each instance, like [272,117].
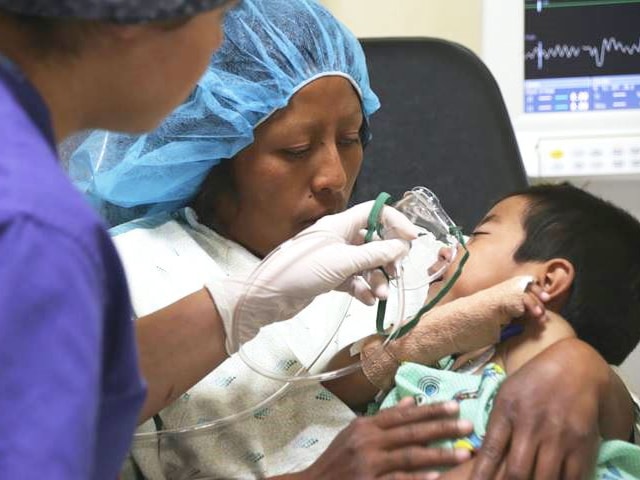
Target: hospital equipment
[423,208]
[570,76]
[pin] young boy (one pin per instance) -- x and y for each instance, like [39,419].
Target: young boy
[571,244]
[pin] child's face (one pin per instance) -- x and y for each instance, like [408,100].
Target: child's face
[491,248]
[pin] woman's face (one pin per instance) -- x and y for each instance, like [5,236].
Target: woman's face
[302,165]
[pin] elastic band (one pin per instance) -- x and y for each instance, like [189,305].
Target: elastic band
[406,328]
[373,223]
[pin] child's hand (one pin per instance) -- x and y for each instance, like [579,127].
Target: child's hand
[534,299]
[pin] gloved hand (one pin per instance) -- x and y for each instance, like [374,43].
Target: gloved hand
[327,256]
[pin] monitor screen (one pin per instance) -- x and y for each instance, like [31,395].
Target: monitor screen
[581,55]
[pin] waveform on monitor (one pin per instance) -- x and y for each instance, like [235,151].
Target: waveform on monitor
[597,52]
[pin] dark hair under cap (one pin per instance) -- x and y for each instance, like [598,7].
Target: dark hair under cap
[120,11]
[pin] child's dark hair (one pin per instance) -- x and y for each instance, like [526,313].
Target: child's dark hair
[602,242]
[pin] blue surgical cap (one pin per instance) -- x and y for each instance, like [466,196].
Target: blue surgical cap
[272,49]
[127,11]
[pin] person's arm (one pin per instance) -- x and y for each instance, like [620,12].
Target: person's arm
[636,404]
[391,445]
[51,329]
[355,389]
[181,343]
[616,419]
[460,326]
[545,420]
[178,346]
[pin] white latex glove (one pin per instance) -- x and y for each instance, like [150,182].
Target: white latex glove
[327,256]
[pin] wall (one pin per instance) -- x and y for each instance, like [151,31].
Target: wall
[459,20]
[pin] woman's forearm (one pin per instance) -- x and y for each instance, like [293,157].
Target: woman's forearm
[584,364]
[178,346]
[616,409]
[355,389]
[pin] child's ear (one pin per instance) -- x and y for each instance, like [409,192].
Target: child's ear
[558,278]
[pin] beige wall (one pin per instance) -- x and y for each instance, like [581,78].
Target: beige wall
[457,20]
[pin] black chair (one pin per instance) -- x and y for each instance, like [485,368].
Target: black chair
[443,124]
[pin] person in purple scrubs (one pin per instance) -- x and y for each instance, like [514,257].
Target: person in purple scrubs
[70,387]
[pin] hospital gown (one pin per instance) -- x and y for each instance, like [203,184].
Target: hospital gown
[170,256]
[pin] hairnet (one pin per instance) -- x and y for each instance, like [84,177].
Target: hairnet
[272,49]
[121,11]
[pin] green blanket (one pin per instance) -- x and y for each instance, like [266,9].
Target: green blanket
[475,393]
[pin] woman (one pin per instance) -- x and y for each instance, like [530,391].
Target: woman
[270,141]
[301,138]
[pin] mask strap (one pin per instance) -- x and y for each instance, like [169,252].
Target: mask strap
[374,225]
[406,328]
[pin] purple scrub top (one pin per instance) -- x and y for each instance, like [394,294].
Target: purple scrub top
[70,388]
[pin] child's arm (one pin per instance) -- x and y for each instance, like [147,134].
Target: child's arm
[616,411]
[355,389]
[459,326]
[616,408]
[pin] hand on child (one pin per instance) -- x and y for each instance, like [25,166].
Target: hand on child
[544,423]
[393,444]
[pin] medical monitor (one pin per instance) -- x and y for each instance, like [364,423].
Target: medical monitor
[569,71]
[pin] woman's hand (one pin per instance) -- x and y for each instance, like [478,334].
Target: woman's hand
[329,255]
[392,444]
[544,423]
